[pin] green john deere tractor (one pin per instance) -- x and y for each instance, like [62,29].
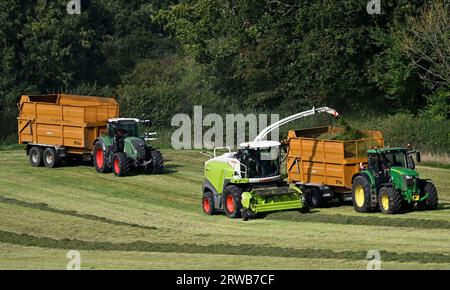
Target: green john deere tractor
[249,181]
[391,183]
[125,146]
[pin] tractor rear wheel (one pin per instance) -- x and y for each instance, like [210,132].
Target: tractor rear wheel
[431,202]
[390,200]
[100,159]
[232,196]
[36,156]
[121,164]
[51,158]
[157,162]
[208,203]
[361,194]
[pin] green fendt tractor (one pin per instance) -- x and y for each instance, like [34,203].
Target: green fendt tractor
[249,181]
[392,183]
[125,146]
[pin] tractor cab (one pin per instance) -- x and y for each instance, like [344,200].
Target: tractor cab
[261,159]
[381,160]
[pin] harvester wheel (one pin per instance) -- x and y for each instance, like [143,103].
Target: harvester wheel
[390,200]
[100,159]
[361,195]
[232,196]
[121,164]
[245,214]
[36,156]
[157,162]
[51,158]
[430,203]
[208,203]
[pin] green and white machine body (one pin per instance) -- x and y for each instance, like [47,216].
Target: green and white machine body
[249,181]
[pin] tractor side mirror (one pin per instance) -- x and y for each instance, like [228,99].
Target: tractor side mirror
[411,164]
[418,157]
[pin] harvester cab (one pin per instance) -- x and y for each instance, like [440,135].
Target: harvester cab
[392,183]
[126,145]
[249,181]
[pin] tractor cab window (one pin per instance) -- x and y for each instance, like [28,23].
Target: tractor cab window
[394,158]
[374,163]
[260,163]
[124,129]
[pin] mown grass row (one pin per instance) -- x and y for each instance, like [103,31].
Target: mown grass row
[360,220]
[45,207]
[216,249]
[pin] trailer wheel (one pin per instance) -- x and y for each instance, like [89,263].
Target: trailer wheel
[432,201]
[390,200]
[361,195]
[100,159]
[208,203]
[315,198]
[51,158]
[232,196]
[121,164]
[36,156]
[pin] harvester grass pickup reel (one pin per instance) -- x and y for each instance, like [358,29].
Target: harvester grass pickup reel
[126,146]
[249,181]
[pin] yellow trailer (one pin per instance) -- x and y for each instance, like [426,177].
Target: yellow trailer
[58,125]
[326,167]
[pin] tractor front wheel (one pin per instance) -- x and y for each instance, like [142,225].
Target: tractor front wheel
[232,196]
[390,200]
[100,159]
[431,202]
[361,195]
[121,164]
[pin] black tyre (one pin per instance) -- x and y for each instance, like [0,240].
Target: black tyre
[232,196]
[245,214]
[316,199]
[431,202]
[36,156]
[361,191]
[208,203]
[51,158]
[100,159]
[390,200]
[157,164]
[121,164]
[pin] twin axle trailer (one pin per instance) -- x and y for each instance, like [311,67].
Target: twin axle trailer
[57,127]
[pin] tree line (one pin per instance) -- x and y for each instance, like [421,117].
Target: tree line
[159,58]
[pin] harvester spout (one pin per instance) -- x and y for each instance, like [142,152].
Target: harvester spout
[263,134]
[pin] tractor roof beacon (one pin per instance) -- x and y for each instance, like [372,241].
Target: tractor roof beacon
[249,181]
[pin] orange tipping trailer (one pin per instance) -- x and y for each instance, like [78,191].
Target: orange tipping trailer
[326,167]
[64,124]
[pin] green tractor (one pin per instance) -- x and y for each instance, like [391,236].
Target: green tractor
[391,183]
[249,182]
[125,146]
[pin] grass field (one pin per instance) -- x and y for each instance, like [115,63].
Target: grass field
[156,222]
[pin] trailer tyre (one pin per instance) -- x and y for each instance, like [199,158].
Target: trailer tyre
[390,200]
[315,198]
[121,164]
[361,195]
[232,196]
[36,156]
[51,158]
[430,203]
[100,159]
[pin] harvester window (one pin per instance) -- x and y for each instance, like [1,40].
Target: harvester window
[260,163]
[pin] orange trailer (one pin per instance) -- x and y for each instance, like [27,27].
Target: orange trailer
[54,126]
[327,167]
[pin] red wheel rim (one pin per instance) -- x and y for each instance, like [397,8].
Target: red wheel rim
[116,166]
[230,204]
[206,205]
[99,158]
